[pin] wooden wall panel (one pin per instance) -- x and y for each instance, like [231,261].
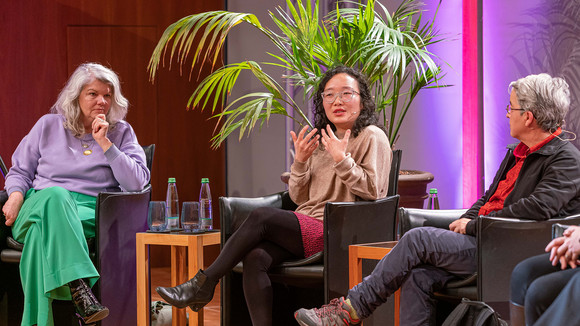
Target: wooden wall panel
[137,48]
[45,40]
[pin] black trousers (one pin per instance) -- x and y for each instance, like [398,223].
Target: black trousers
[267,237]
[541,288]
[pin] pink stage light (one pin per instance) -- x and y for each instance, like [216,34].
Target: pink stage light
[472,142]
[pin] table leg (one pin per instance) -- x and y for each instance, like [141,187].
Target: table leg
[195,261]
[397,306]
[355,266]
[355,257]
[178,276]
[143,308]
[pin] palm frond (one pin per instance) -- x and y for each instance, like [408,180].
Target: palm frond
[390,48]
[244,116]
[184,32]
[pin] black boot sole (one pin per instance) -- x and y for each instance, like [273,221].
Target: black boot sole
[99,315]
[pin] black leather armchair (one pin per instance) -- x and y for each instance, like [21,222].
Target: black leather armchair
[501,244]
[119,216]
[317,279]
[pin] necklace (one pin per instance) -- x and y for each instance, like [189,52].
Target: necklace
[87,147]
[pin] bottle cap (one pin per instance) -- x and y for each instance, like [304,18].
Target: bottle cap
[171,180]
[204,180]
[433,190]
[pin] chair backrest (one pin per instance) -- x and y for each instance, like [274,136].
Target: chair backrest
[149,152]
[410,218]
[235,210]
[394,174]
[351,223]
[3,168]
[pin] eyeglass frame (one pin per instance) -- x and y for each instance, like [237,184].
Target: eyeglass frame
[509,109]
[339,94]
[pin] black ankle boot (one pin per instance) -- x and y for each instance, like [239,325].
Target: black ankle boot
[87,306]
[195,293]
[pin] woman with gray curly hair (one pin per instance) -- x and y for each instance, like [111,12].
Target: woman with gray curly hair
[84,147]
[67,103]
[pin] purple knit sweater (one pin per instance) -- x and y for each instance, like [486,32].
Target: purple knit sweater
[51,156]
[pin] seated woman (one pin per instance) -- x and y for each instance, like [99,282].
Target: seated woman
[353,162]
[545,288]
[68,157]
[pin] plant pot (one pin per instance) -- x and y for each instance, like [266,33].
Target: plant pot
[413,188]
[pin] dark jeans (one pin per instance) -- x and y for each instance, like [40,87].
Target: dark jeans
[422,262]
[536,284]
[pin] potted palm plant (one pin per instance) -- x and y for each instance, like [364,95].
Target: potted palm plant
[390,48]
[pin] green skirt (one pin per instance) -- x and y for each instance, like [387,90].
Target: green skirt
[53,224]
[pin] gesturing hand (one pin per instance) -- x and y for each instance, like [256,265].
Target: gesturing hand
[304,145]
[336,147]
[100,127]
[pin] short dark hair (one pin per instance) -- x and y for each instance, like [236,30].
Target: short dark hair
[367,114]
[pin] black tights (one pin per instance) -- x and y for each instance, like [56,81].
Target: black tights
[268,237]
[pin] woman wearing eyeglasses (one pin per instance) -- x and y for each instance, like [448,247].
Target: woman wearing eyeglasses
[346,157]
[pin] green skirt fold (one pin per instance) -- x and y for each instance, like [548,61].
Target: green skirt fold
[53,224]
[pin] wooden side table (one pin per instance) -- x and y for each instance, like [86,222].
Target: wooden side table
[376,251]
[179,242]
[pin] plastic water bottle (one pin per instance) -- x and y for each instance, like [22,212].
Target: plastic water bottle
[433,200]
[172,202]
[206,220]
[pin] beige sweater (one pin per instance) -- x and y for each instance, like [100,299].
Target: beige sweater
[362,175]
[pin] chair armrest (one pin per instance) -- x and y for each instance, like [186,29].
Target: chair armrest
[4,230]
[558,230]
[235,210]
[502,243]
[353,223]
[118,217]
[410,218]
[3,198]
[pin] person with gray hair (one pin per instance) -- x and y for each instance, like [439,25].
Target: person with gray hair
[538,179]
[67,103]
[84,147]
[547,98]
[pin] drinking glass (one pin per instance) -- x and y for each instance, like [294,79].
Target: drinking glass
[156,217]
[190,216]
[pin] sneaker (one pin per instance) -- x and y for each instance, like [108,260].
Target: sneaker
[337,312]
